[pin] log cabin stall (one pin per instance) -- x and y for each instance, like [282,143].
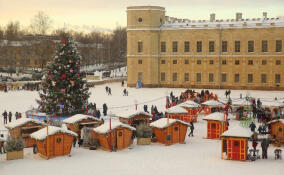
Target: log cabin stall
[179,113]
[23,127]
[113,135]
[212,106]
[216,125]
[235,143]
[277,130]
[57,142]
[192,108]
[134,117]
[76,122]
[169,131]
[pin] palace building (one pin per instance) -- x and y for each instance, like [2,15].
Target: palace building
[235,53]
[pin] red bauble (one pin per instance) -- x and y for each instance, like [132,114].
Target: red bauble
[63,75]
[50,76]
[78,75]
[63,41]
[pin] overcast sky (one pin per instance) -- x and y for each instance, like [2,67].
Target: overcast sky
[110,13]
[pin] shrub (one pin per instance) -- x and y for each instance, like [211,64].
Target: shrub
[13,144]
[144,131]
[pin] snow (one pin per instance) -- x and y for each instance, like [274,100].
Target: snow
[180,159]
[131,113]
[79,117]
[105,128]
[238,131]
[42,133]
[189,104]
[213,103]
[217,116]
[177,110]
[21,122]
[280,120]
[272,104]
[163,123]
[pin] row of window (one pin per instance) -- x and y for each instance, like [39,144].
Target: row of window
[224,62]
[223,77]
[264,46]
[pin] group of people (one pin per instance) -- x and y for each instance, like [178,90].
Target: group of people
[8,116]
[26,86]
[108,90]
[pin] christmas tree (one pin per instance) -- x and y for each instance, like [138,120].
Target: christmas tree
[64,87]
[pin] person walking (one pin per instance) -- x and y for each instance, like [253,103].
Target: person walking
[122,83]
[252,127]
[191,126]
[264,147]
[105,109]
[109,91]
[74,142]
[10,116]
[16,115]
[5,114]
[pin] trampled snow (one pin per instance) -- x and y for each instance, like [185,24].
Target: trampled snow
[199,156]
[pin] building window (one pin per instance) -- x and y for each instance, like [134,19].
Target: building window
[175,46]
[250,78]
[224,46]
[237,46]
[163,76]
[211,62]
[211,77]
[139,61]
[186,76]
[175,76]
[174,61]
[140,47]
[263,78]
[139,19]
[263,62]
[224,62]
[186,61]
[163,61]
[211,46]
[250,46]
[186,46]
[198,77]
[199,46]
[163,46]
[140,76]
[237,62]
[198,61]
[224,78]
[250,62]
[278,46]
[264,46]
[237,78]
[277,78]
[278,62]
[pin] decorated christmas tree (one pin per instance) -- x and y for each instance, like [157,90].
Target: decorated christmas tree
[64,87]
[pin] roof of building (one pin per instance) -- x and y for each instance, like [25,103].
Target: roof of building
[132,113]
[217,116]
[42,133]
[163,123]
[189,104]
[277,120]
[238,131]
[105,128]
[177,110]
[213,103]
[21,122]
[79,117]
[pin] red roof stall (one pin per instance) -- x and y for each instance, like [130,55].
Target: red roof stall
[180,113]
[216,125]
[235,143]
[192,109]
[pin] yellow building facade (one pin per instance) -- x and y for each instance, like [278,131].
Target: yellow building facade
[234,54]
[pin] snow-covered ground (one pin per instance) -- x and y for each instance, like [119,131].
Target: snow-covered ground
[198,156]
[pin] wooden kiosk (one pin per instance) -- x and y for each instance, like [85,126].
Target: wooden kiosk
[133,117]
[113,135]
[180,113]
[192,108]
[57,142]
[169,131]
[235,143]
[216,125]
[23,127]
[76,122]
[277,130]
[211,106]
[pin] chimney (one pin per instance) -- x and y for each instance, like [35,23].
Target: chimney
[212,17]
[238,16]
[264,15]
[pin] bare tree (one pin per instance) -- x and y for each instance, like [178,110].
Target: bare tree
[12,31]
[41,23]
[1,33]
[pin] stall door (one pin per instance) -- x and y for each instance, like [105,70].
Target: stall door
[120,138]
[58,145]
[176,134]
[236,149]
[214,127]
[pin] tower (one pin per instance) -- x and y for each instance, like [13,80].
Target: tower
[143,48]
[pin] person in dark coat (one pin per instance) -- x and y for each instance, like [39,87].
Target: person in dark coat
[105,109]
[191,126]
[259,129]
[10,116]
[264,147]
[122,83]
[74,142]
[109,91]
[252,127]
[5,114]
[254,145]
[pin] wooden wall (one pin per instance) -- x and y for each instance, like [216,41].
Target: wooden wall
[277,129]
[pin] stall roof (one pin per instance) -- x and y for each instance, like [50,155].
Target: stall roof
[238,131]
[189,104]
[277,120]
[218,116]
[177,110]
[105,128]
[213,103]
[79,117]
[163,123]
[21,122]
[42,133]
[131,113]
